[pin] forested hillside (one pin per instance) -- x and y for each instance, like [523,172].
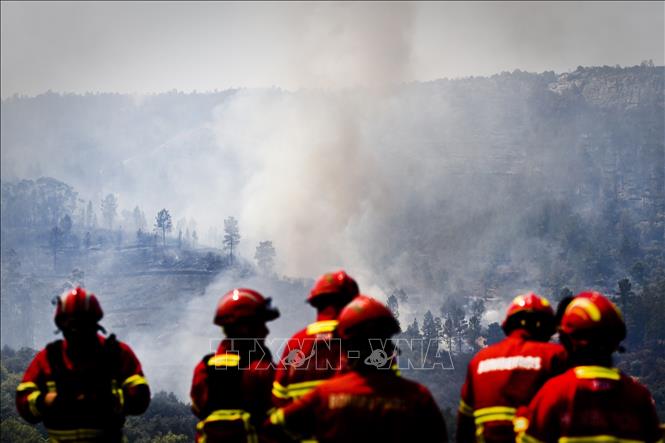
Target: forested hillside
[446,199]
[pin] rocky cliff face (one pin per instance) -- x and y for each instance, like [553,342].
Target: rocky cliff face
[618,88]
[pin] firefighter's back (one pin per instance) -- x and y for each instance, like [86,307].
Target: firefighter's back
[505,376]
[310,357]
[376,406]
[593,402]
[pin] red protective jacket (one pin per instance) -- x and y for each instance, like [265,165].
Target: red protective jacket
[231,393]
[375,405]
[310,357]
[94,391]
[591,404]
[501,378]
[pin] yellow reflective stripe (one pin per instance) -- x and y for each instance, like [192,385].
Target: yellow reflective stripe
[32,403]
[597,372]
[50,385]
[134,380]
[465,408]
[230,415]
[294,390]
[224,360]
[227,414]
[75,434]
[304,384]
[322,326]
[119,394]
[494,413]
[279,391]
[597,439]
[25,386]
[494,410]
[299,389]
[587,306]
[277,418]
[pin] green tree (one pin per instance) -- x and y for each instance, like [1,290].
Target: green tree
[431,331]
[163,223]
[393,305]
[265,256]
[474,327]
[454,323]
[625,292]
[109,209]
[231,236]
[494,333]
[55,243]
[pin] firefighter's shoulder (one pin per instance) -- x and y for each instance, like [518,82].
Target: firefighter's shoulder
[545,348]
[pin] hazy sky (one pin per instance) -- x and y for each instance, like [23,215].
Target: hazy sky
[157,46]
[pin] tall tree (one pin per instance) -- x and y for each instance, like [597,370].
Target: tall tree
[454,323]
[431,332]
[494,333]
[265,256]
[66,224]
[231,235]
[163,223]
[625,292]
[109,209]
[140,222]
[87,241]
[89,213]
[476,308]
[55,242]
[413,330]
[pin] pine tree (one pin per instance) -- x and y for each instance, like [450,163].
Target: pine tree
[231,236]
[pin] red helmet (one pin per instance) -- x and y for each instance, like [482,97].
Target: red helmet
[77,304]
[366,317]
[593,318]
[338,284]
[243,304]
[529,305]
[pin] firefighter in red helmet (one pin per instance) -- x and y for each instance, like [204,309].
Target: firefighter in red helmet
[231,388]
[592,401]
[313,354]
[369,402]
[82,387]
[505,376]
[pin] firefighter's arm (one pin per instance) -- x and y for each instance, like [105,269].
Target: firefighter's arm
[133,391]
[466,426]
[280,395]
[539,422]
[296,419]
[261,380]
[30,399]
[199,390]
[655,432]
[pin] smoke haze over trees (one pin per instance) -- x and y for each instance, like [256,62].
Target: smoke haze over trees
[447,198]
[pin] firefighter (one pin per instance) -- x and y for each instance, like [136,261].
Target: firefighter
[369,402]
[505,376]
[82,387]
[231,388]
[313,354]
[592,401]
